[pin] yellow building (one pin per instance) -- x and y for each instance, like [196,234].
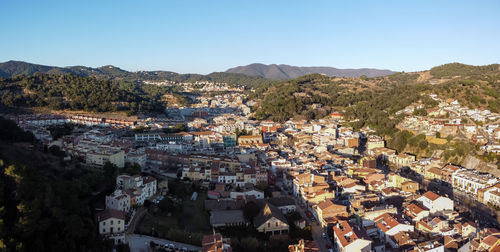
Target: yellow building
[101,156]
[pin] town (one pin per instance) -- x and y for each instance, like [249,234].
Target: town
[211,178]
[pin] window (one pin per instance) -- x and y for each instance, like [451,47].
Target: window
[268,224]
[119,221]
[111,222]
[276,223]
[104,230]
[104,223]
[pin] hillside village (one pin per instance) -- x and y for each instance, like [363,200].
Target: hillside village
[301,185]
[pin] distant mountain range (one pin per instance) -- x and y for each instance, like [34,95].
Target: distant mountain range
[12,68]
[275,72]
[281,72]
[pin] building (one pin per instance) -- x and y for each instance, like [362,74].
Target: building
[100,156]
[142,187]
[415,212]
[350,239]
[271,220]
[388,225]
[492,196]
[374,142]
[250,140]
[163,187]
[227,218]
[304,246]
[215,243]
[112,224]
[118,200]
[435,203]
[470,181]
[327,209]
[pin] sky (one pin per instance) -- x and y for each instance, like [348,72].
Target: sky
[206,36]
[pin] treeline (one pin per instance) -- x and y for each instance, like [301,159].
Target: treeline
[80,93]
[458,69]
[10,132]
[44,207]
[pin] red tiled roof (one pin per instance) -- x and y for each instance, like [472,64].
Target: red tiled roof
[386,222]
[430,195]
[110,213]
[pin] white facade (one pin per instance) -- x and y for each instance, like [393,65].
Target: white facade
[118,200]
[436,205]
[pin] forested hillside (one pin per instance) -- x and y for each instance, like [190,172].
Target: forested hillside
[46,204]
[81,93]
[373,101]
[473,86]
[11,69]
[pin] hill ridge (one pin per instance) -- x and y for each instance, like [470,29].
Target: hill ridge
[284,71]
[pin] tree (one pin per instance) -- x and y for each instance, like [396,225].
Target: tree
[110,170]
[167,205]
[249,243]
[134,169]
[250,210]
[423,144]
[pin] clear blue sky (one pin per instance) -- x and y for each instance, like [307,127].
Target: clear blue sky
[206,36]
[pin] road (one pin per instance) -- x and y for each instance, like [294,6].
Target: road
[140,243]
[138,215]
[316,231]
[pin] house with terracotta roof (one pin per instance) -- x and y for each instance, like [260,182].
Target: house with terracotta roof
[351,239]
[416,212]
[111,224]
[402,240]
[388,225]
[328,209]
[215,243]
[435,203]
[489,242]
[435,225]
[433,173]
[304,246]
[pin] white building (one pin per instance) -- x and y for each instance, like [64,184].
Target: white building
[435,203]
[470,181]
[112,225]
[118,200]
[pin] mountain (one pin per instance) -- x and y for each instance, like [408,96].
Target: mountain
[281,72]
[12,68]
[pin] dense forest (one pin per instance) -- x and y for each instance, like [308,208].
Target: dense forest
[46,204]
[81,93]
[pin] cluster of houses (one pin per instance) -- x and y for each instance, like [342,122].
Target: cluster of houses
[207,86]
[329,174]
[130,192]
[479,126]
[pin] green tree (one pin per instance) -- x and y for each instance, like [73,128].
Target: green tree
[250,210]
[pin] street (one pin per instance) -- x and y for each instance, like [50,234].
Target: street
[140,243]
[316,231]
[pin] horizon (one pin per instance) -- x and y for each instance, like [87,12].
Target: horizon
[206,37]
[167,70]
